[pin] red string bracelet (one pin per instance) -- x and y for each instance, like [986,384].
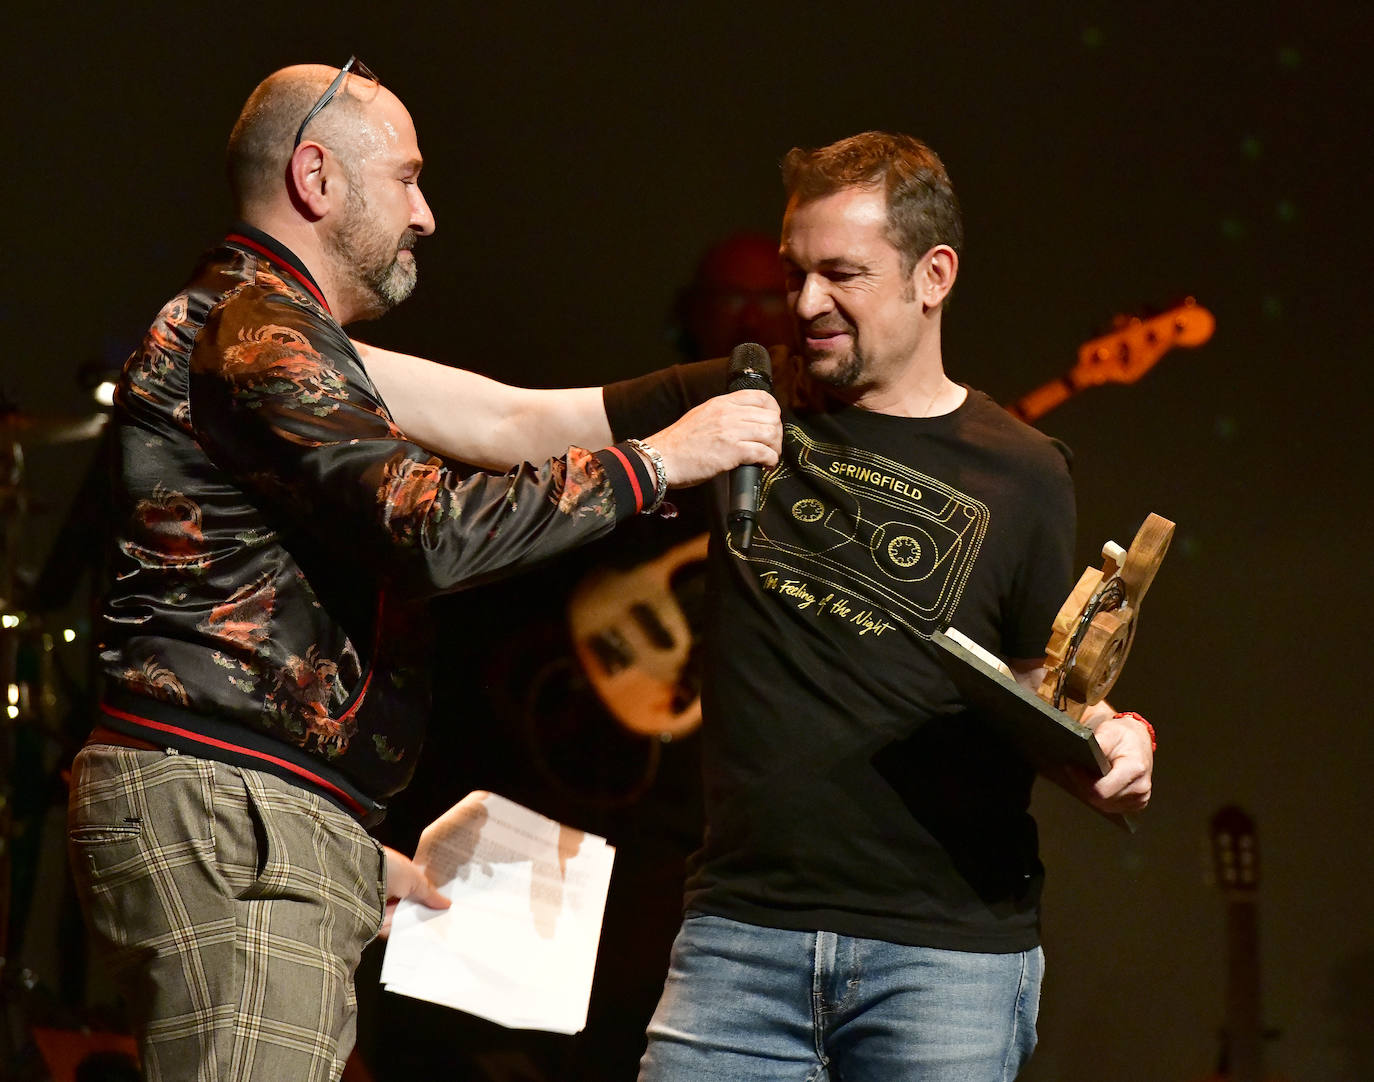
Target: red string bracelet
[1148,727]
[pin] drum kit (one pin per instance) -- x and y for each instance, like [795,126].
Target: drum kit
[34,743]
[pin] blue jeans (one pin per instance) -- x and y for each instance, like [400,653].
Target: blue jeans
[749,1004]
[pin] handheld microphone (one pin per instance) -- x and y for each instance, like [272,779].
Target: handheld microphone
[751,369]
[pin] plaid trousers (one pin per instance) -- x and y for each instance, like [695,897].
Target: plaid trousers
[232,908]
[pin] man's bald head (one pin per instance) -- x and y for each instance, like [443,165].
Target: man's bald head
[347,200]
[262,140]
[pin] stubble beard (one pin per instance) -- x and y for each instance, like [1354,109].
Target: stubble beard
[845,373]
[842,372]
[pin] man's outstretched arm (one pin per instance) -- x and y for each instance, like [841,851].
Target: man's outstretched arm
[481,421]
[492,425]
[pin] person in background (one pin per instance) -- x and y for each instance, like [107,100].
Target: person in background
[736,295]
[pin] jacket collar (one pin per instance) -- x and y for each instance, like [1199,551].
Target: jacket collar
[247,236]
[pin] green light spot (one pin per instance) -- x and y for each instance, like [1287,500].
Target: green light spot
[1290,57]
[1225,427]
[1093,37]
[1251,147]
[1286,212]
[1233,229]
[1272,307]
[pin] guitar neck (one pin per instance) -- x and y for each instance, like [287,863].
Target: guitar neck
[1236,863]
[1031,407]
[1122,356]
[1244,1024]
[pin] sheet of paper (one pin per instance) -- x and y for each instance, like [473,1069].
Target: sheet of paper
[518,946]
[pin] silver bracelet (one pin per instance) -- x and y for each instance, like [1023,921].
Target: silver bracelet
[660,474]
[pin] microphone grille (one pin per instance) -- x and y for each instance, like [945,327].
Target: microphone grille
[750,368]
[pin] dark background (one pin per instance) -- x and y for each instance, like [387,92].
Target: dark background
[1108,157]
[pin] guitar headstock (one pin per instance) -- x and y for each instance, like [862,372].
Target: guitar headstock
[1126,354]
[1235,853]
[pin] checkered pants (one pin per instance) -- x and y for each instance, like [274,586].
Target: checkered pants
[231,907]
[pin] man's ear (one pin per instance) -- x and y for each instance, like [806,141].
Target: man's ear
[935,275]
[312,181]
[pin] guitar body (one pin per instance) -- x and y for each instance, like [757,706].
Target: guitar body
[635,642]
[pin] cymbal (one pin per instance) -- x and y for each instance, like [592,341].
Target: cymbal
[16,426]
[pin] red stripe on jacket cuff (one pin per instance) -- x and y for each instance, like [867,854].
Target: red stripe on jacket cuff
[630,478]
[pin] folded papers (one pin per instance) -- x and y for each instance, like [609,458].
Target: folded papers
[518,946]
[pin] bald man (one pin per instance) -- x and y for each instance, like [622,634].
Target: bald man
[277,536]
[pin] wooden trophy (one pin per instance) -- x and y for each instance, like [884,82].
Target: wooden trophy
[1089,641]
[1096,625]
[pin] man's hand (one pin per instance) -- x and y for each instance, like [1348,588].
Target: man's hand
[730,430]
[1126,785]
[1124,741]
[406,879]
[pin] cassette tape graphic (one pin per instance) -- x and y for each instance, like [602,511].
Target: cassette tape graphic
[871,528]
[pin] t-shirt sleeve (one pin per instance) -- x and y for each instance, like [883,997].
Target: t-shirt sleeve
[1044,574]
[281,403]
[643,405]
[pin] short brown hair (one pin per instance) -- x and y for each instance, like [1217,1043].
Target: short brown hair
[922,210]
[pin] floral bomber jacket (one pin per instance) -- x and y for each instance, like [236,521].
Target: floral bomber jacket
[277,536]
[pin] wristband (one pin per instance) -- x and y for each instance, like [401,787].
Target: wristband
[1148,727]
[660,474]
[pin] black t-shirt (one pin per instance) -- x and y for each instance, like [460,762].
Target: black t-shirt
[846,787]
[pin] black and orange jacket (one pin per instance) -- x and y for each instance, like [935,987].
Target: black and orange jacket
[278,535]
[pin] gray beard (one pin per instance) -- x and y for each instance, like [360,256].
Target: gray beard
[393,284]
[378,276]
